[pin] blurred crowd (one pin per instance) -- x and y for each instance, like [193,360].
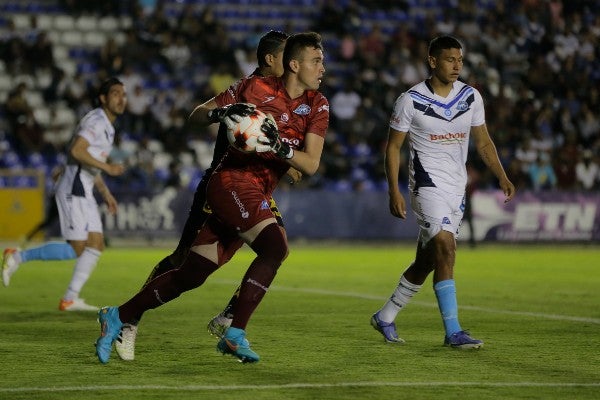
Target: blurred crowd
[536,63]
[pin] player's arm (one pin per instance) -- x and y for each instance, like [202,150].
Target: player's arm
[488,153]
[306,161]
[199,115]
[80,152]
[392,172]
[210,112]
[109,199]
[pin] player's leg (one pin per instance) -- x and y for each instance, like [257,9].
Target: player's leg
[442,250]
[13,257]
[82,227]
[220,322]
[271,249]
[164,288]
[125,344]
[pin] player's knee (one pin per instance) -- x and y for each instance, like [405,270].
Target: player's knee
[271,245]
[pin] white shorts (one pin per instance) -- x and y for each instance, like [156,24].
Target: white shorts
[78,216]
[437,210]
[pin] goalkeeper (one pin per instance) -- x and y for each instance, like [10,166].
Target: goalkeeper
[239,191]
[269,54]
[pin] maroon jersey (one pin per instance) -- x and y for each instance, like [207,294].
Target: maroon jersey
[294,118]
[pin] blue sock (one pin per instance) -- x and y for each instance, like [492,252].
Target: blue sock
[49,251]
[445,291]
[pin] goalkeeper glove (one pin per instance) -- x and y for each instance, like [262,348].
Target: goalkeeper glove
[233,111]
[272,141]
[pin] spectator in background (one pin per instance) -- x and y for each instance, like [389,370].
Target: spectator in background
[526,154]
[344,105]
[40,54]
[542,174]
[138,118]
[587,171]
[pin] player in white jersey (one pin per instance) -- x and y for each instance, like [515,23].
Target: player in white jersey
[438,115]
[80,221]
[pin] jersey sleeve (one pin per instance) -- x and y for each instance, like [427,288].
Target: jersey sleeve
[320,121]
[232,94]
[478,110]
[402,113]
[89,129]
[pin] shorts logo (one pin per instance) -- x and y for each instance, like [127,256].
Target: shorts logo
[264,205]
[446,221]
[243,212]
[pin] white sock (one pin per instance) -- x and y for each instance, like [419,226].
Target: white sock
[401,296]
[83,269]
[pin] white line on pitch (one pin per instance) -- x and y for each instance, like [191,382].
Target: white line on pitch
[196,388]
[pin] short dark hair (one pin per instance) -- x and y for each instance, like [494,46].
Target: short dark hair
[107,84]
[296,43]
[442,43]
[270,43]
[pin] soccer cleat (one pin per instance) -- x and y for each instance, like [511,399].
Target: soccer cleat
[218,325]
[75,305]
[125,344]
[462,340]
[387,329]
[110,326]
[9,265]
[234,342]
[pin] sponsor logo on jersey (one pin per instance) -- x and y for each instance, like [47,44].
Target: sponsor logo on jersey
[445,221]
[303,109]
[462,106]
[243,212]
[448,136]
[264,205]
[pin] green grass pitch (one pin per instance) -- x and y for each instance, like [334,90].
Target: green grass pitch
[537,309]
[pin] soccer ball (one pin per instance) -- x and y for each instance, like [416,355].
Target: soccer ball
[243,135]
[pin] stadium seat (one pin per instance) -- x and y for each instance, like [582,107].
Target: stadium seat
[64,22]
[44,22]
[71,38]
[21,21]
[108,24]
[86,23]
[94,39]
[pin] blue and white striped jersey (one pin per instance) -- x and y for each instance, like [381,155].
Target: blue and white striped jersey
[438,133]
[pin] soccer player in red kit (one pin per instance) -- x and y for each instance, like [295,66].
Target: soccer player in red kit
[239,192]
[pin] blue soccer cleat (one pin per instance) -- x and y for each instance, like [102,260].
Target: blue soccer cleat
[462,340]
[234,342]
[110,326]
[387,329]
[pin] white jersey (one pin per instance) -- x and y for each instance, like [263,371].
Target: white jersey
[438,133]
[78,179]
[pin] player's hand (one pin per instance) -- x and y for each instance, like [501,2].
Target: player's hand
[397,205]
[272,141]
[294,175]
[115,169]
[508,188]
[233,111]
[111,203]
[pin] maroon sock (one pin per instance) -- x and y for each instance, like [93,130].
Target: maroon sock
[167,287]
[271,249]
